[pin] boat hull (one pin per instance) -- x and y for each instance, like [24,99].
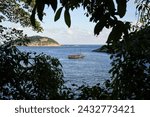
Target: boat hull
[78,56]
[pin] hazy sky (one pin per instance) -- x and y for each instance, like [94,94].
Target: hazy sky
[81,31]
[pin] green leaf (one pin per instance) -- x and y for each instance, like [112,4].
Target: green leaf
[53,4]
[58,13]
[67,18]
[121,7]
[98,28]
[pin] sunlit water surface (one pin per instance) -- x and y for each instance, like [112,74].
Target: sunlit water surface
[92,69]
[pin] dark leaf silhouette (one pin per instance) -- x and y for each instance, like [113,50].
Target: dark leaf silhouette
[40,7]
[98,28]
[53,4]
[58,13]
[116,32]
[121,7]
[32,18]
[111,6]
[67,18]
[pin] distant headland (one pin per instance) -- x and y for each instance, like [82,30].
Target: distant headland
[104,49]
[41,41]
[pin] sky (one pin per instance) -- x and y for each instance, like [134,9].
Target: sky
[81,30]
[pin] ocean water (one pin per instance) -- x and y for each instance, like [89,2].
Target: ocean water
[92,69]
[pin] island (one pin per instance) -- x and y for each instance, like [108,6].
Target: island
[103,48]
[41,41]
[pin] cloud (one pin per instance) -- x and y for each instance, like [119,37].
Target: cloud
[73,35]
[76,35]
[69,31]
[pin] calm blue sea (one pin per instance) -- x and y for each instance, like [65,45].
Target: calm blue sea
[92,69]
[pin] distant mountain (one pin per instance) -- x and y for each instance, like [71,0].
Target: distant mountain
[41,41]
[104,49]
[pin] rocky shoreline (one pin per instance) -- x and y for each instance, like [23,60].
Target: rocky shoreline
[103,49]
[53,45]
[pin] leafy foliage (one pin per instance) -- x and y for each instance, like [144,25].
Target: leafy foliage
[19,12]
[39,8]
[143,10]
[9,35]
[28,76]
[96,92]
[131,66]
[40,76]
[102,12]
